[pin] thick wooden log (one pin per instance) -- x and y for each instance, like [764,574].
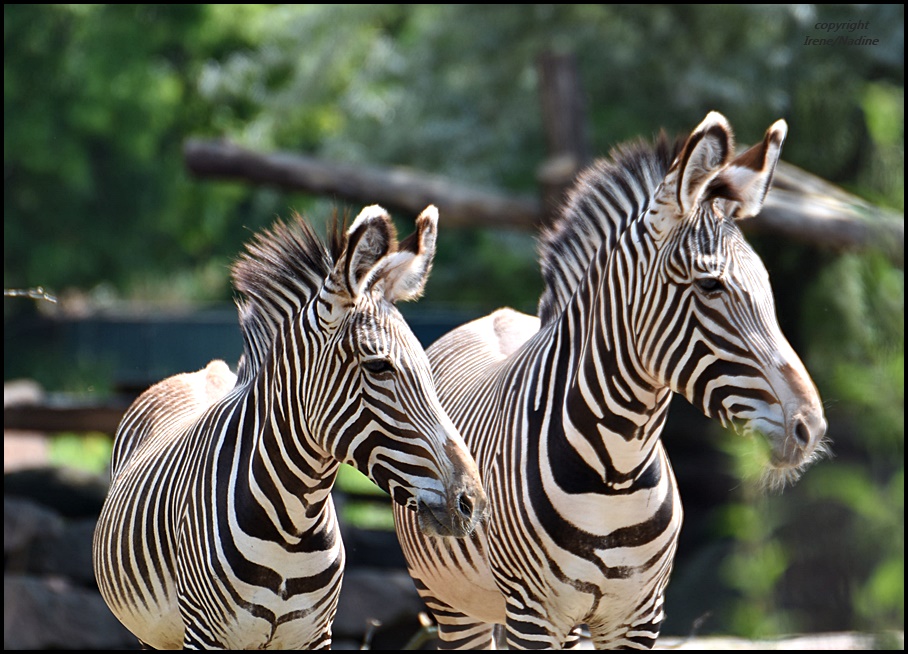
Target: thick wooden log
[46,418]
[563,107]
[395,188]
[801,206]
[809,209]
[564,120]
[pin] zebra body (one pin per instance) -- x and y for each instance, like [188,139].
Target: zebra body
[650,289]
[219,530]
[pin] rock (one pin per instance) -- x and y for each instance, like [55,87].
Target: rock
[25,523]
[385,599]
[50,613]
[67,554]
[71,492]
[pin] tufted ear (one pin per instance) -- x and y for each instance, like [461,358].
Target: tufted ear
[371,236]
[403,274]
[706,151]
[743,184]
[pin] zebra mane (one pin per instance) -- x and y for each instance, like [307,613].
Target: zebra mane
[604,200]
[282,269]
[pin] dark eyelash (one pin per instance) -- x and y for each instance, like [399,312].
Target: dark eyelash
[709,285]
[378,366]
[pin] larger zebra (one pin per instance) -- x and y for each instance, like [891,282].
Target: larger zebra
[219,530]
[650,289]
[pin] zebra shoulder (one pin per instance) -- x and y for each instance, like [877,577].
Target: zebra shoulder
[169,407]
[491,338]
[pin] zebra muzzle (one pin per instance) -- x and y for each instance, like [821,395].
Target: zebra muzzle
[804,433]
[458,516]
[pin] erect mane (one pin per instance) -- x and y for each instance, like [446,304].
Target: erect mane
[606,197]
[280,272]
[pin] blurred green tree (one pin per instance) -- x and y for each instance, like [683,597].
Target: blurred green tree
[97,101]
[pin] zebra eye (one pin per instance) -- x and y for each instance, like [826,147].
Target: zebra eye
[709,285]
[378,366]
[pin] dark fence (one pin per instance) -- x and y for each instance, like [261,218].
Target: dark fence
[134,350]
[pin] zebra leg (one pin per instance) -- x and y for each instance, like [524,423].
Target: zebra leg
[197,639]
[533,631]
[574,639]
[458,631]
[639,636]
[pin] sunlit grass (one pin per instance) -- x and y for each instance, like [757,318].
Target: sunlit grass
[368,515]
[372,514]
[89,452]
[351,480]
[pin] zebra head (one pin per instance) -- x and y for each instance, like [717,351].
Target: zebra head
[379,410]
[718,341]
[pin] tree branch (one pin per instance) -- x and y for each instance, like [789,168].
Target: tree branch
[800,206]
[398,189]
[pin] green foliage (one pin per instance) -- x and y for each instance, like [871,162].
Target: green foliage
[368,515]
[364,514]
[351,480]
[856,314]
[97,101]
[89,452]
[504,273]
[858,351]
[758,562]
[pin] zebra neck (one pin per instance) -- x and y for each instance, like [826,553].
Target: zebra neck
[612,412]
[278,461]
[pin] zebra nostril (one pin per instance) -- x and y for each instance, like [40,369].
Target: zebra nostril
[802,434]
[465,505]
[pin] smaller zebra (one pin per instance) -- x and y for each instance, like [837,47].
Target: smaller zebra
[219,530]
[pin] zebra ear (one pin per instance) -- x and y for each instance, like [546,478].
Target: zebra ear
[403,274]
[743,184]
[371,236]
[706,151]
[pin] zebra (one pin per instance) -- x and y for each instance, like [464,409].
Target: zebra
[219,530]
[650,288]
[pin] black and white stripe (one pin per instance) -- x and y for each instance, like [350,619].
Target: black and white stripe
[650,289]
[219,530]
